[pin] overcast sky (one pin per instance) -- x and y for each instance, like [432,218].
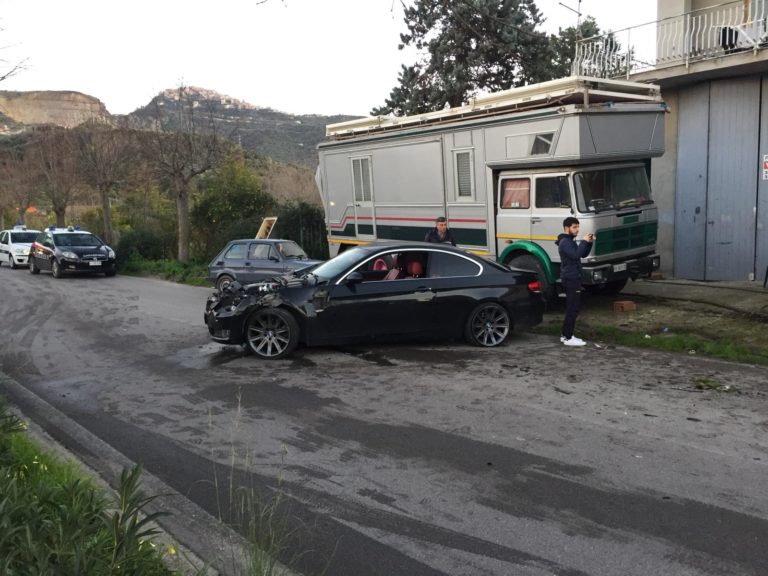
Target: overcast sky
[297,56]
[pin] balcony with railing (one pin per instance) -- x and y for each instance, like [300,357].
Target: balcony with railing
[705,34]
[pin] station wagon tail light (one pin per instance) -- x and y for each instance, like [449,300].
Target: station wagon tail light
[534,286]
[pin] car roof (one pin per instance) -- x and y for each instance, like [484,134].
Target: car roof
[390,244]
[19,230]
[267,240]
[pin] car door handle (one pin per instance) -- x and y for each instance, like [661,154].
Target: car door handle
[535,219]
[423,289]
[247,264]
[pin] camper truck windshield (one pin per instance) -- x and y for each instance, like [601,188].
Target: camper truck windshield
[612,189]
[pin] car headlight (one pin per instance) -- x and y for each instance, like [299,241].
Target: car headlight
[21,250]
[70,255]
[110,254]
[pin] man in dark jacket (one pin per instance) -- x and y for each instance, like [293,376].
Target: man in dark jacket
[571,253]
[440,234]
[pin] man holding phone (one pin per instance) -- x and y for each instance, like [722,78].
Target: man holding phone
[571,253]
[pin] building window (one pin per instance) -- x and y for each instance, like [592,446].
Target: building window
[464,174]
[361,179]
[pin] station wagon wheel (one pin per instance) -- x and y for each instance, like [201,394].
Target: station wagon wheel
[488,325]
[33,269]
[12,263]
[56,268]
[223,281]
[271,333]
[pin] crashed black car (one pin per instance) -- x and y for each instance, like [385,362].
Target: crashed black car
[378,291]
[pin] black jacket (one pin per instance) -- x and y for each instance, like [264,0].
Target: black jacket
[433,236]
[571,253]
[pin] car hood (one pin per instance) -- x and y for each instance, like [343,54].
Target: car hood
[86,250]
[297,264]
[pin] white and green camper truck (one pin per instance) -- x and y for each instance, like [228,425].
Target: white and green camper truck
[506,170]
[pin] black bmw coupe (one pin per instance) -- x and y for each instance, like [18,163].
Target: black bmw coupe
[378,291]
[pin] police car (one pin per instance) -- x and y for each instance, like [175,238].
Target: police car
[70,249]
[14,245]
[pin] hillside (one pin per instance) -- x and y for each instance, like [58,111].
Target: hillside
[284,137]
[62,108]
[281,136]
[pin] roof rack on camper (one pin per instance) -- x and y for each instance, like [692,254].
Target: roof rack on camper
[580,90]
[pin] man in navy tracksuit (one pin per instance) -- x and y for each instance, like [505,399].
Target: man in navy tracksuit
[571,253]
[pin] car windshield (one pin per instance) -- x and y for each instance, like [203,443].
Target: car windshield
[339,264]
[23,237]
[612,189]
[292,250]
[77,240]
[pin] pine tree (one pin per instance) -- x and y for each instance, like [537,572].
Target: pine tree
[468,47]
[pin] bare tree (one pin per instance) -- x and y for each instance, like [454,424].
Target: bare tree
[54,152]
[7,70]
[19,180]
[104,157]
[182,146]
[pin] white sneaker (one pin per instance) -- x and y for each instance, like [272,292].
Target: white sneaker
[572,341]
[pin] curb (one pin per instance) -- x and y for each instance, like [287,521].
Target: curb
[193,532]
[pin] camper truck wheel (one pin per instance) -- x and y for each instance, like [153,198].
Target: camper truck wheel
[530,262]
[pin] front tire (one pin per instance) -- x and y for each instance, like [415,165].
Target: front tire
[223,281]
[12,263]
[56,269]
[488,325]
[271,333]
[33,269]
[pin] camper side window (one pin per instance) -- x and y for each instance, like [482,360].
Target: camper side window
[463,174]
[515,193]
[361,179]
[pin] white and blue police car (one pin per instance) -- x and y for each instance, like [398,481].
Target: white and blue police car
[15,244]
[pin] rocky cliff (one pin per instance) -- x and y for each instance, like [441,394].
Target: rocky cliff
[62,108]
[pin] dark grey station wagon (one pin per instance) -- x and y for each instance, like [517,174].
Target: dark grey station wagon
[249,261]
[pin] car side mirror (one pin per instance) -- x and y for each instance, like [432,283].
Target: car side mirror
[353,278]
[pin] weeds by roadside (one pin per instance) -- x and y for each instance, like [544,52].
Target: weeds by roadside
[53,521]
[670,326]
[194,274]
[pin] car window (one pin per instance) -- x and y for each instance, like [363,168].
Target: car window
[235,252]
[445,265]
[292,250]
[273,253]
[337,265]
[22,237]
[77,240]
[403,265]
[259,252]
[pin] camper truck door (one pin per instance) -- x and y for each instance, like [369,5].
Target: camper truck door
[362,191]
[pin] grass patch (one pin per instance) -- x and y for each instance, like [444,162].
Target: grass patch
[680,340]
[193,274]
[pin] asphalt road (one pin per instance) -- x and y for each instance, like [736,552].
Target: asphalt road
[411,459]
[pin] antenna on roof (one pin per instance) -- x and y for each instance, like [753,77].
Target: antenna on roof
[578,17]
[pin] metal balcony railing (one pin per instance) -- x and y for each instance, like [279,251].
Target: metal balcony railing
[711,32]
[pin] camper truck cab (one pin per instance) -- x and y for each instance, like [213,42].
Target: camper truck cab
[613,201]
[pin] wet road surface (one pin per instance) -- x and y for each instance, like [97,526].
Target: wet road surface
[413,459]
